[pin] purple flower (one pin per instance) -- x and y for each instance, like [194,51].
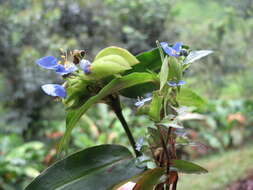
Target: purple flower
[50,62]
[174,84]
[142,102]
[55,90]
[172,51]
[85,66]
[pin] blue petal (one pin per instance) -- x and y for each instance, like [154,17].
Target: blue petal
[60,69]
[164,44]
[147,99]
[139,103]
[177,46]
[85,66]
[181,82]
[55,90]
[172,83]
[48,62]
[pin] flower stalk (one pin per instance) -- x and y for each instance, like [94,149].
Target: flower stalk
[116,107]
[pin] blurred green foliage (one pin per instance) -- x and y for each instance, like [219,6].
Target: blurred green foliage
[31,29]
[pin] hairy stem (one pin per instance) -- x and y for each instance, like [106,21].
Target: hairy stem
[116,107]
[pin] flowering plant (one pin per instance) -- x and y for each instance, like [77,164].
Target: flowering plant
[115,72]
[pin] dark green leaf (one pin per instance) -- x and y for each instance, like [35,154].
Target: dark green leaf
[95,168]
[187,97]
[149,179]
[148,82]
[149,60]
[188,167]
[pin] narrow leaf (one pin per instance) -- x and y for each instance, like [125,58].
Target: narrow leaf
[188,167]
[170,124]
[164,73]
[196,55]
[156,106]
[175,70]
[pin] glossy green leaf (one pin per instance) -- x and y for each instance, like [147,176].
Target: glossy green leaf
[196,55]
[156,106]
[131,59]
[187,97]
[188,167]
[147,83]
[114,86]
[149,179]
[149,60]
[164,73]
[99,167]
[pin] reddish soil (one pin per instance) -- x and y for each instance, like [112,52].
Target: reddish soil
[244,184]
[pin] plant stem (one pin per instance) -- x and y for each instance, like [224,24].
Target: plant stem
[116,107]
[164,145]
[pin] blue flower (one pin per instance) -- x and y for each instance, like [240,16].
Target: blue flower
[172,51]
[85,66]
[50,62]
[61,70]
[55,90]
[174,84]
[142,102]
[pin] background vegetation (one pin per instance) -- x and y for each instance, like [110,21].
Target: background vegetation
[31,123]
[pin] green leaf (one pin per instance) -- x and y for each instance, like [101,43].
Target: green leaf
[196,55]
[150,82]
[149,60]
[187,97]
[170,124]
[114,86]
[95,168]
[118,51]
[149,179]
[156,106]
[188,167]
[175,70]
[164,73]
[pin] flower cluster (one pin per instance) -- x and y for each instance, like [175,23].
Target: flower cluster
[63,68]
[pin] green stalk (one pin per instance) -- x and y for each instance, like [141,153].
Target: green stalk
[116,107]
